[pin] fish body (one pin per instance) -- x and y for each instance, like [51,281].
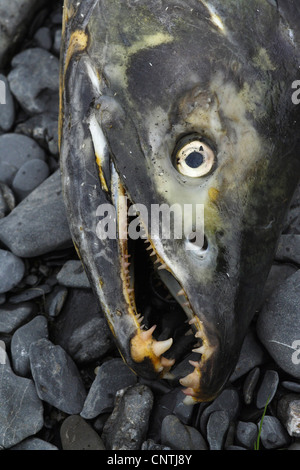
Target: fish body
[180,103]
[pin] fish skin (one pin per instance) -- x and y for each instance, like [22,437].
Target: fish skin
[147,73]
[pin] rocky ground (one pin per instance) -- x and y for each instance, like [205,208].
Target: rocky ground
[63,384]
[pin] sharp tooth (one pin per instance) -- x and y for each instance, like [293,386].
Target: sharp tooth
[199,334]
[190,392]
[167,362]
[130,291]
[193,321]
[181,292]
[189,400]
[149,247]
[145,335]
[188,333]
[199,350]
[163,266]
[159,347]
[168,376]
[127,256]
[195,364]
[156,261]
[126,265]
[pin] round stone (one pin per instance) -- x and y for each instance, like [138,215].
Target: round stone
[29,176]
[12,270]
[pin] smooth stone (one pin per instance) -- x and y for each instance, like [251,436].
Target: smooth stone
[21,410]
[278,325]
[21,341]
[267,388]
[288,411]
[81,328]
[34,443]
[38,225]
[7,200]
[127,426]
[228,401]
[17,149]
[112,376]
[249,385]
[291,386]
[43,38]
[217,427]
[72,274]
[56,300]
[30,294]
[34,80]
[246,434]
[273,435]
[7,108]
[149,444]
[29,177]
[44,129]
[289,248]
[12,270]
[251,355]
[179,436]
[278,274]
[77,434]
[13,316]
[56,377]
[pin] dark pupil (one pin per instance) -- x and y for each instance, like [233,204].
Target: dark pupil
[194,160]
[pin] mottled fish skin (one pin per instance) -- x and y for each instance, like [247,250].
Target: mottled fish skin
[136,76]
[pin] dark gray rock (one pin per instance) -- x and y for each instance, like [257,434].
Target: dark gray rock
[7,109]
[21,410]
[57,41]
[13,316]
[288,411]
[278,273]
[151,445]
[72,274]
[34,80]
[28,177]
[251,355]
[291,386]
[273,435]
[55,301]
[21,341]
[228,401]
[56,377]
[82,329]
[278,325]
[30,294]
[267,388]
[12,270]
[38,225]
[178,436]
[217,427]
[246,434]
[77,434]
[44,129]
[7,200]
[43,38]
[127,426]
[289,248]
[34,443]
[112,376]
[249,385]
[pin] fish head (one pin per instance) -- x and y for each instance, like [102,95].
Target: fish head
[189,105]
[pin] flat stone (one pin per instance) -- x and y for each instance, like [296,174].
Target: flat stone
[278,325]
[246,434]
[34,443]
[21,341]
[179,436]
[267,388]
[38,225]
[7,108]
[72,274]
[12,270]
[273,435]
[21,410]
[77,434]
[56,377]
[288,411]
[30,294]
[13,316]
[278,273]
[289,248]
[127,426]
[249,385]
[55,301]
[217,427]
[291,386]
[28,177]
[112,376]
[34,80]
[228,401]
[251,355]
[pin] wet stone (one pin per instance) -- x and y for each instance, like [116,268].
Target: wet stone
[30,294]
[291,386]
[288,411]
[251,355]
[179,436]
[43,38]
[7,108]
[246,434]
[278,325]
[55,301]
[72,274]
[267,388]
[151,445]
[21,341]
[112,376]
[127,426]
[228,401]
[12,270]
[56,377]
[273,435]
[28,177]
[289,248]
[7,200]
[249,385]
[34,443]
[217,427]
[13,316]
[21,410]
[77,434]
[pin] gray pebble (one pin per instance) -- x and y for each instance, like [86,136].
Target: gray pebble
[38,225]
[112,376]
[43,38]
[21,341]
[249,385]
[7,200]
[56,377]
[28,177]
[57,41]
[72,274]
[246,434]
[228,400]
[267,388]
[278,325]
[30,294]
[178,436]
[13,316]
[292,386]
[55,301]
[278,274]
[127,426]
[289,248]
[34,80]
[273,435]
[217,427]
[251,355]
[34,443]
[21,411]
[44,129]
[77,434]
[7,108]
[12,270]
[288,411]
[151,445]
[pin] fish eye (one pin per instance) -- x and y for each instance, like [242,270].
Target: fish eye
[193,157]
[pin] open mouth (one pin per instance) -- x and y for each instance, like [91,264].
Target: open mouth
[167,329]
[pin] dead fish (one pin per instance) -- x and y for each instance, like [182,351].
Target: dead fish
[180,103]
